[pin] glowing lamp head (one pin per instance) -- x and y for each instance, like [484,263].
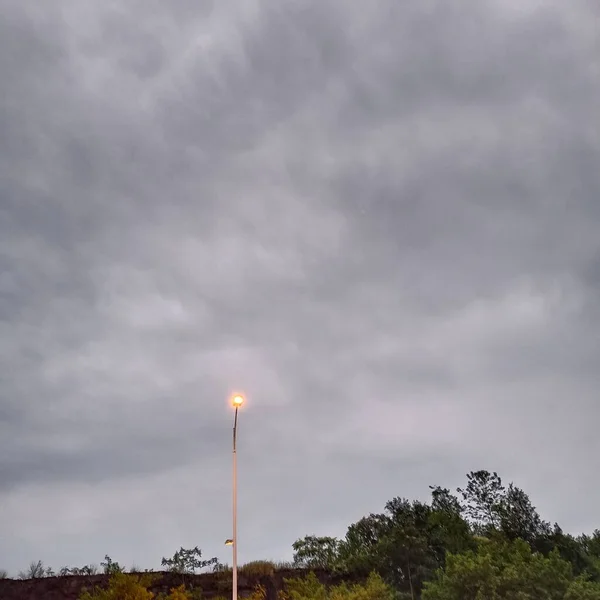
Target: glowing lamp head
[229,542]
[237,401]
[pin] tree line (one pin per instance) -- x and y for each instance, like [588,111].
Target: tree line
[485,541]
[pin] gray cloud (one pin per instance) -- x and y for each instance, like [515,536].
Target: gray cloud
[381,223]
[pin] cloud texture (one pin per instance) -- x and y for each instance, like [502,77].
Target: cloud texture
[381,221]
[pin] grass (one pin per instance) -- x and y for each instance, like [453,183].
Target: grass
[257,568]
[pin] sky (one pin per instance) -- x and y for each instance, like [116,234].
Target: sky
[380,221]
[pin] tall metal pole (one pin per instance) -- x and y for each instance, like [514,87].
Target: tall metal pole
[234,566]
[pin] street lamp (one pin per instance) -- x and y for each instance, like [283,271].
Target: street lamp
[237,402]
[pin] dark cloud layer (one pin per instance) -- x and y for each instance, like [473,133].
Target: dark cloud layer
[381,222]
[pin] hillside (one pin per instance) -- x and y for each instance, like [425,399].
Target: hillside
[486,539]
[212,585]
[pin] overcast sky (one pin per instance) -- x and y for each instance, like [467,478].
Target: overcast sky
[379,220]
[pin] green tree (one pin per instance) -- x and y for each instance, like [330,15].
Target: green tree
[395,544]
[312,552]
[111,567]
[310,588]
[358,550]
[501,570]
[491,508]
[581,589]
[519,518]
[448,531]
[187,562]
[482,500]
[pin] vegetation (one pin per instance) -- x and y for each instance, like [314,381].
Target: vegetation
[187,562]
[86,570]
[486,541]
[131,587]
[111,567]
[123,586]
[36,570]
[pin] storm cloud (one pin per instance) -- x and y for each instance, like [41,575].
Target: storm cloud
[381,221]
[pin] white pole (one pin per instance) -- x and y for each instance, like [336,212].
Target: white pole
[234,566]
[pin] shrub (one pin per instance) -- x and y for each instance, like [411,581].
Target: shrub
[187,561]
[310,588]
[36,570]
[121,586]
[111,567]
[258,568]
[85,570]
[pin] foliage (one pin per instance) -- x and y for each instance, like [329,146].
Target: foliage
[111,567]
[312,552]
[580,589]
[3,574]
[409,543]
[180,593]
[257,568]
[125,586]
[85,570]
[187,561]
[487,542]
[510,570]
[310,588]
[36,570]
[491,507]
[122,586]
[258,593]
[220,567]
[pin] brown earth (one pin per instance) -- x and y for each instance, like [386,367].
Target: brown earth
[212,585]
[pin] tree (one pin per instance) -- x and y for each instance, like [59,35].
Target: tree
[111,567]
[519,518]
[482,500]
[36,570]
[581,589]
[187,562]
[448,531]
[501,570]
[492,508]
[592,543]
[394,544]
[574,550]
[357,551]
[312,552]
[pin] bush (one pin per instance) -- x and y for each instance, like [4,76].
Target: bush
[187,561]
[310,588]
[36,571]
[111,567]
[258,568]
[122,586]
[86,570]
